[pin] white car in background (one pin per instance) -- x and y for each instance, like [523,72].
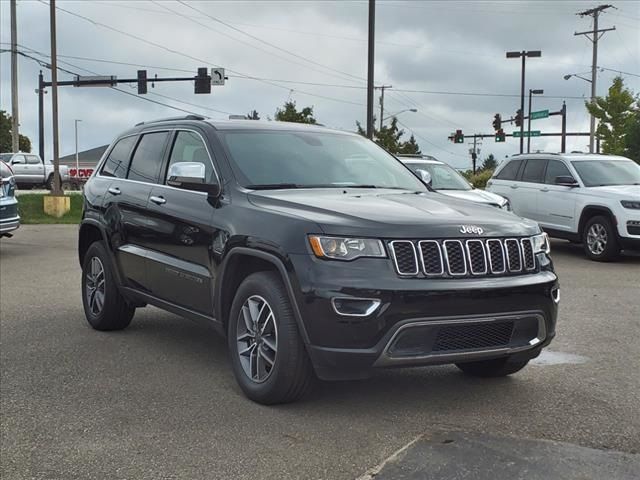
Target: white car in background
[585,198]
[446,180]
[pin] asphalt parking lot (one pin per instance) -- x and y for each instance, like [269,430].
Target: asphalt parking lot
[158,400]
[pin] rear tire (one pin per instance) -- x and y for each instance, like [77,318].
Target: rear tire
[104,307]
[498,367]
[599,238]
[49,183]
[268,357]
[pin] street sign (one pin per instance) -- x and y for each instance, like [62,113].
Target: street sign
[539,114]
[217,76]
[532,133]
[95,81]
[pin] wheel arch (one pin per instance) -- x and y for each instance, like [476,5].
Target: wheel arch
[92,231]
[241,262]
[591,211]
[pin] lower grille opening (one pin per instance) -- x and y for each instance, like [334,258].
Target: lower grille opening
[463,337]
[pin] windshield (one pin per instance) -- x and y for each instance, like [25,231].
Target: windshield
[600,173]
[281,159]
[443,177]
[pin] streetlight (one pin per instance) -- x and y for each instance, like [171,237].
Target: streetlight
[77,160]
[414,110]
[531,93]
[578,75]
[523,54]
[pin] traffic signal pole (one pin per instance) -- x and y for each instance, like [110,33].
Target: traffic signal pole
[522,104]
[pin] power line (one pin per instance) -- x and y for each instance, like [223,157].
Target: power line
[428,141]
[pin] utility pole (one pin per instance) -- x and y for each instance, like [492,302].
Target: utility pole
[77,158]
[370,67]
[523,54]
[54,100]
[563,141]
[41,91]
[596,34]
[15,123]
[475,151]
[382,88]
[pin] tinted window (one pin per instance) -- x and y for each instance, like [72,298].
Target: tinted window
[595,173]
[147,159]
[32,160]
[309,159]
[19,159]
[556,168]
[534,171]
[510,170]
[189,147]
[118,161]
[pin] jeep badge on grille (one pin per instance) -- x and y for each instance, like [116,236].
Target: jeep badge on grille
[469,229]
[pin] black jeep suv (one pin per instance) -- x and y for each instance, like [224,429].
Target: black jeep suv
[314,251]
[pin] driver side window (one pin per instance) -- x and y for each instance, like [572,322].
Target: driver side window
[189,147]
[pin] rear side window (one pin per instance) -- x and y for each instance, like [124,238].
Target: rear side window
[117,162]
[510,170]
[556,168]
[147,159]
[32,160]
[534,171]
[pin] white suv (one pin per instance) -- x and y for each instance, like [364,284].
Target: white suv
[586,198]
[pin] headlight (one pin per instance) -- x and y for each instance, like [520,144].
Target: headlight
[541,243]
[340,248]
[635,204]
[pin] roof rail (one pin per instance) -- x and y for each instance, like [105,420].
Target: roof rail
[536,153]
[186,117]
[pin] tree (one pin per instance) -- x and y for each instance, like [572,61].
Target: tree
[253,115]
[24,144]
[389,138]
[490,163]
[290,114]
[613,113]
[632,137]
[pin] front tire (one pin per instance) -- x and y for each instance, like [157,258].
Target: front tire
[498,367]
[600,240]
[268,357]
[104,307]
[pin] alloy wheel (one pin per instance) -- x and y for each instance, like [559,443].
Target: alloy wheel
[95,286]
[257,338]
[597,238]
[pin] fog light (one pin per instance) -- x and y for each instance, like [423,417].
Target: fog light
[354,307]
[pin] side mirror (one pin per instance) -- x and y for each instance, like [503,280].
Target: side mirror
[424,176]
[567,181]
[191,176]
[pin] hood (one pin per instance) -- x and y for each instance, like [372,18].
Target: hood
[624,192]
[476,195]
[388,213]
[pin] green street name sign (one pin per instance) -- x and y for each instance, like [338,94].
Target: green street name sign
[539,114]
[532,133]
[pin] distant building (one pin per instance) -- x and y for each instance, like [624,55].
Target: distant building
[88,158]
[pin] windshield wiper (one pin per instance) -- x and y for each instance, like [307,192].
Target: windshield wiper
[274,186]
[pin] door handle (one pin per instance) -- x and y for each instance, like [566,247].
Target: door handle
[514,186]
[544,189]
[114,190]
[158,200]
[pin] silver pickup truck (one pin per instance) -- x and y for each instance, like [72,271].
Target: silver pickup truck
[30,170]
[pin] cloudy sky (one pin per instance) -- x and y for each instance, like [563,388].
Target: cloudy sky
[444,58]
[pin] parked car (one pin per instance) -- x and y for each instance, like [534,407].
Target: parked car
[30,170]
[586,198]
[315,251]
[9,217]
[448,181]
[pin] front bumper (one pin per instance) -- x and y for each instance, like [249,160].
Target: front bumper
[419,315]
[9,224]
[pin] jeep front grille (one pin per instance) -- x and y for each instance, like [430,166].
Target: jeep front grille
[454,258]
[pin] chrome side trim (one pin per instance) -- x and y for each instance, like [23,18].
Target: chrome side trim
[484,255]
[375,303]
[424,269]
[446,256]
[395,260]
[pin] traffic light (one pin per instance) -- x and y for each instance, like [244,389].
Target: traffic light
[497,121]
[500,136]
[142,82]
[519,118]
[458,137]
[203,81]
